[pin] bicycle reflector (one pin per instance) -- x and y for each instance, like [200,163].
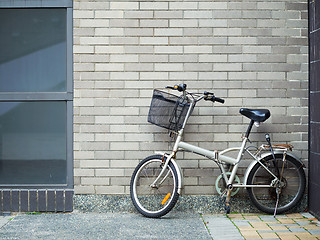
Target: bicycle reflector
[166,198]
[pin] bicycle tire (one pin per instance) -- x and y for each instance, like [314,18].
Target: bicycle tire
[291,194]
[154,202]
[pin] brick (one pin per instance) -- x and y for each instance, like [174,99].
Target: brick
[183,23]
[183,5]
[124,40]
[197,49]
[95,181]
[168,32]
[271,23]
[84,189]
[112,172]
[154,23]
[199,189]
[138,31]
[245,23]
[109,31]
[109,49]
[83,49]
[183,41]
[168,14]
[124,5]
[138,14]
[168,49]
[110,189]
[242,58]
[210,23]
[227,67]
[271,5]
[108,14]
[94,163]
[198,14]
[198,31]
[213,5]
[168,67]
[257,49]
[109,67]
[154,5]
[94,23]
[227,31]
[83,14]
[242,40]
[184,58]
[124,23]
[154,40]
[198,67]
[124,58]
[94,40]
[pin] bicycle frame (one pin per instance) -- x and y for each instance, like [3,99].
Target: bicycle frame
[217,157]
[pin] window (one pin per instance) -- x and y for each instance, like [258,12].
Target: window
[36,94]
[33,50]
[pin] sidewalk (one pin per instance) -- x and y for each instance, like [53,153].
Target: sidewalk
[258,226]
[175,225]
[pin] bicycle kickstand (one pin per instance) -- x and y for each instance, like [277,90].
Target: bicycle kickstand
[278,196]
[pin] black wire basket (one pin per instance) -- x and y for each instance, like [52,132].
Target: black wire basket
[167,110]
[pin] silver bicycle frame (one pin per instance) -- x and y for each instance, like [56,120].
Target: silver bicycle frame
[219,158]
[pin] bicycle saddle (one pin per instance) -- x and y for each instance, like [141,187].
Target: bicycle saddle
[257,115]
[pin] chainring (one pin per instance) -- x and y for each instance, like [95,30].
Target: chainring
[221,184]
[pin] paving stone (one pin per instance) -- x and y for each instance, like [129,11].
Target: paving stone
[307,215]
[315,231]
[241,222]
[294,229]
[221,227]
[269,235]
[303,223]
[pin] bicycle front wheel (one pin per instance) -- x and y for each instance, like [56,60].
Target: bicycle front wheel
[288,192]
[150,198]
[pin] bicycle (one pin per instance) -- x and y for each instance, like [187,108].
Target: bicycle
[275,178]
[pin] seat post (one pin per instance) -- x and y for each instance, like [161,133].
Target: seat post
[249,129]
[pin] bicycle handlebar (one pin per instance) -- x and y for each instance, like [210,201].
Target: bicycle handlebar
[207,96]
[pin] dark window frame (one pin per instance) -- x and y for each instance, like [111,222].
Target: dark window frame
[66,96]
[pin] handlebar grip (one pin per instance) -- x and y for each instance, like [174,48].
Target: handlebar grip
[181,87]
[220,100]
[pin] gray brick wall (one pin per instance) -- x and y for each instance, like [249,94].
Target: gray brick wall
[252,53]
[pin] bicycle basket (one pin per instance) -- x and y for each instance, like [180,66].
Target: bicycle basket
[167,110]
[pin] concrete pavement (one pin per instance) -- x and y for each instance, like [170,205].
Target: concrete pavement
[175,225]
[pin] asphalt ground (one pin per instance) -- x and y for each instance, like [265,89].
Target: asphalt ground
[174,225]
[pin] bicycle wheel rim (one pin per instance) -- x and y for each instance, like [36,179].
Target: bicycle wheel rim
[291,186]
[151,200]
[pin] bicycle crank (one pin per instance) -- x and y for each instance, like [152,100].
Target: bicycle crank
[221,185]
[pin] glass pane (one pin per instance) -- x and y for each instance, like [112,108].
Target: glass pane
[32,142]
[32,50]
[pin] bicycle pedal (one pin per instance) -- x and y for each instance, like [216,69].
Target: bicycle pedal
[227,208]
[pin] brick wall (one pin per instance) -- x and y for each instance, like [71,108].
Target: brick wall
[252,53]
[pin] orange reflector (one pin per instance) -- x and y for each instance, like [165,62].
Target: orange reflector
[166,198]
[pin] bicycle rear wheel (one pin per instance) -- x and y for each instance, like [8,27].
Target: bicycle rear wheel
[154,200]
[291,187]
